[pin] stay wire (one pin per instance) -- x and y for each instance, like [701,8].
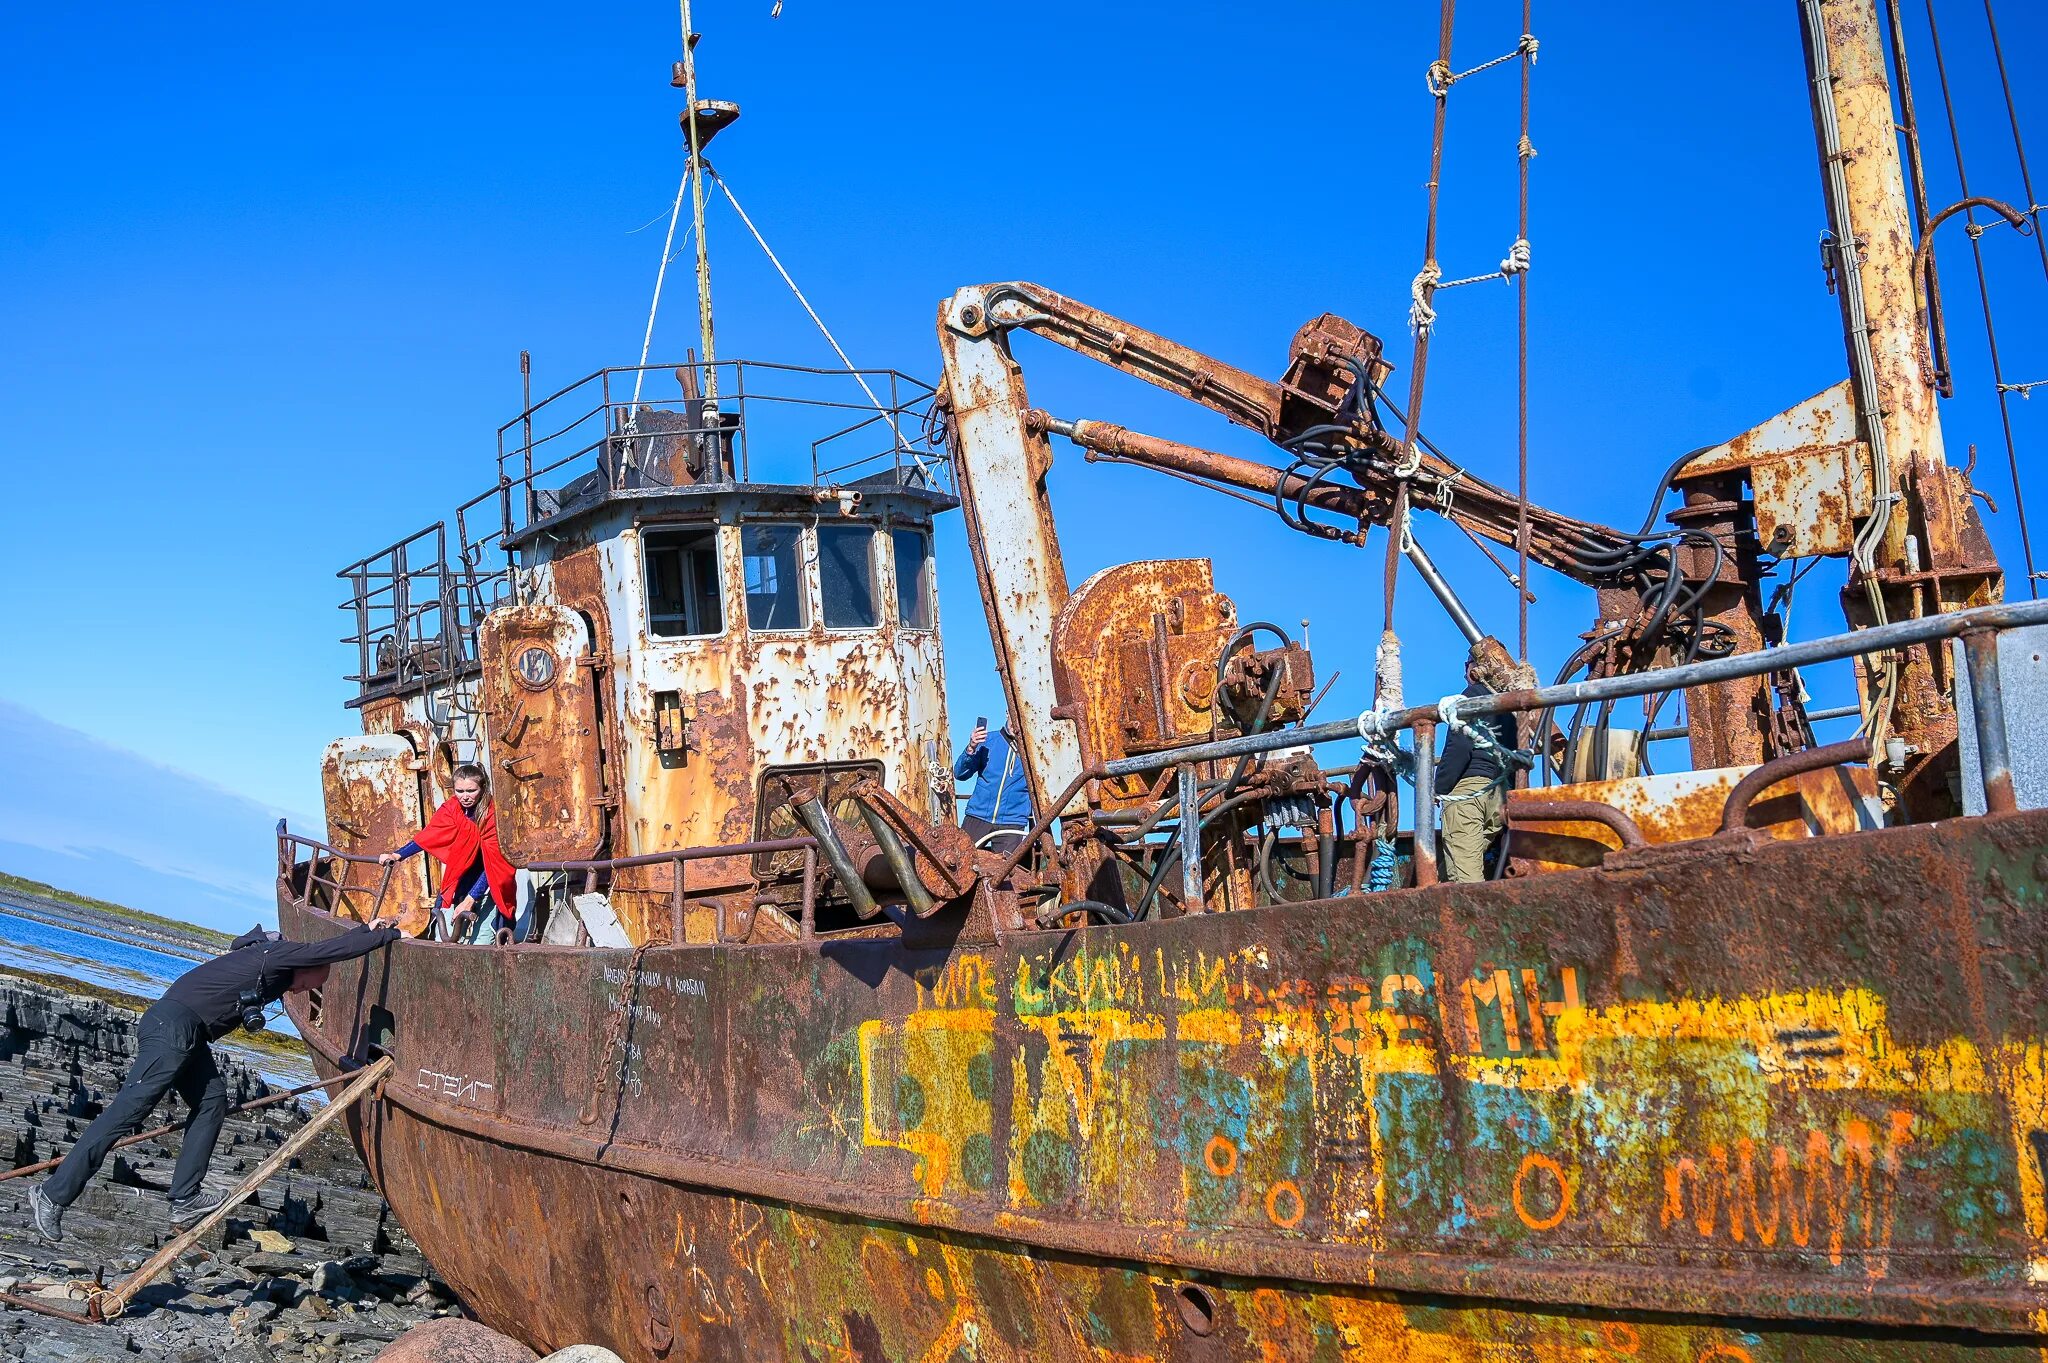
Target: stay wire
[1425,286]
[888,414]
[2019,148]
[2012,459]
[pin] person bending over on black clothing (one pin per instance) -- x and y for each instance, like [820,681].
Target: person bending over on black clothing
[202,1005]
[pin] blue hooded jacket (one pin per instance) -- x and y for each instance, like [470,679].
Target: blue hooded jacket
[1001,794]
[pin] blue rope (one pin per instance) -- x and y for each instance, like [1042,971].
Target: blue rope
[1380,874]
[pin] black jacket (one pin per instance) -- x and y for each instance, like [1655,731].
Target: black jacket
[214,990]
[1462,757]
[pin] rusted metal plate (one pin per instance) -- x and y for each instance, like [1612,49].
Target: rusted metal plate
[1809,472]
[1135,654]
[1682,806]
[540,715]
[371,784]
[1774,1101]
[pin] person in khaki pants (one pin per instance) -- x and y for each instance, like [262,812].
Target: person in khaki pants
[1471,783]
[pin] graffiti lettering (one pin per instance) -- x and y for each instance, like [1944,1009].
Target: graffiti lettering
[457,1088]
[1727,1192]
[964,982]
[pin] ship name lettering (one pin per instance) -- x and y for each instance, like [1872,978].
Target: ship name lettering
[458,1088]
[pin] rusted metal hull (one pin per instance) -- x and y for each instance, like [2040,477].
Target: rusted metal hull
[1743,1101]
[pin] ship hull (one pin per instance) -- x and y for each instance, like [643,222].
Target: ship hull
[1732,1102]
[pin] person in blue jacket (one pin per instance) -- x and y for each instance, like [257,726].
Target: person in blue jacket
[999,811]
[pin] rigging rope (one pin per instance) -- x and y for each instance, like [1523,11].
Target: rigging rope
[1976,232]
[667,255]
[1514,268]
[888,414]
[1440,78]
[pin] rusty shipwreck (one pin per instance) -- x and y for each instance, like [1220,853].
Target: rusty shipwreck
[1738,1064]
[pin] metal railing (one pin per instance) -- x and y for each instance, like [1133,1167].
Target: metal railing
[414,606]
[341,895]
[414,610]
[612,431]
[1978,628]
[680,859]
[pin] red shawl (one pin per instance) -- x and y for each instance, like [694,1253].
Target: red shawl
[452,839]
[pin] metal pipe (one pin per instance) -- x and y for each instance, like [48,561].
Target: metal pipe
[1045,821]
[1434,580]
[1879,639]
[1425,802]
[1192,898]
[900,865]
[812,814]
[1812,716]
[1987,702]
[1736,812]
[729,849]
[1578,811]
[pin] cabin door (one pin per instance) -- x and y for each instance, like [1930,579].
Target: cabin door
[371,783]
[540,702]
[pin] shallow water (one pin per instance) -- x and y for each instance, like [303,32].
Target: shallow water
[125,964]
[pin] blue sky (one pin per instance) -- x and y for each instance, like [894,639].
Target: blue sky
[265,273]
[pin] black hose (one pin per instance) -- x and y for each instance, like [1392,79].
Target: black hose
[1664,484]
[1108,913]
[1172,855]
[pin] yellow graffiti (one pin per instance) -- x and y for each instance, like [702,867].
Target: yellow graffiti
[931,1049]
[1724,1173]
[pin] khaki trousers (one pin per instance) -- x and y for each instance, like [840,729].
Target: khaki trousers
[1469,826]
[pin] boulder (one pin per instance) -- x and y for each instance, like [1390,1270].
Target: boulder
[583,1353]
[452,1340]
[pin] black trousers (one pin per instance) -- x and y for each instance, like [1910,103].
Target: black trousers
[171,1053]
[979,828]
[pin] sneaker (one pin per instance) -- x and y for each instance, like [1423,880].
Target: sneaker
[192,1209]
[49,1217]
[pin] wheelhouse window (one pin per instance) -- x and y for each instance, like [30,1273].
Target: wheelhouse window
[846,572]
[772,557]
[913,577]
[682,583]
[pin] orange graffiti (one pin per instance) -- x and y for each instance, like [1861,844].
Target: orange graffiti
[1621,1337]
[1564,1192]
[1219,1156]
[1284,1193]
[1725,1189]
[1724,1353]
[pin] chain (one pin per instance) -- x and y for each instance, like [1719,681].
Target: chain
[614,1034]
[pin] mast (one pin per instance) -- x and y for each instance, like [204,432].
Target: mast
[1922,550]
[698,136]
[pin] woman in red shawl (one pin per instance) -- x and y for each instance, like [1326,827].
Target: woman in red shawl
[463,837]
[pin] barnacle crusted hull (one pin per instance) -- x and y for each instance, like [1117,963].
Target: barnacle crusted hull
[1781,1102]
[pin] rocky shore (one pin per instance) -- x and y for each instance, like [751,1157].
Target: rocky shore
[313,1267]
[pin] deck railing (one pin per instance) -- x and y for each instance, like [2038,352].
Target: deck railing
[1978,628]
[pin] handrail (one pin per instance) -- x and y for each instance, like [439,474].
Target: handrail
[284,834]
[1856,643]
[1736,811]
[1578,811]
[730,849]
